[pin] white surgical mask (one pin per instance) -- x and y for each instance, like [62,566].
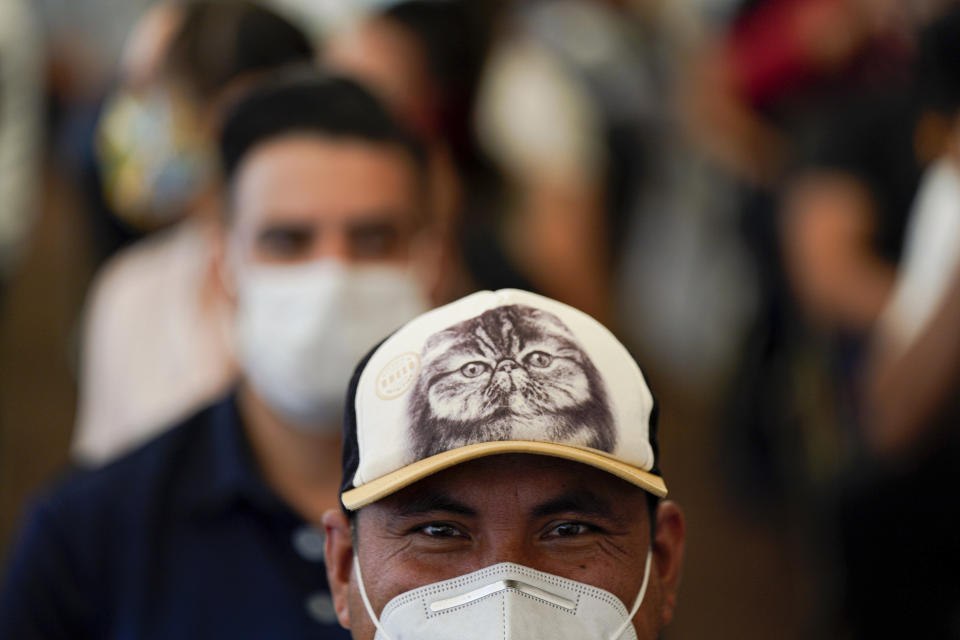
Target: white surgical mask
[301,330]
[506,601]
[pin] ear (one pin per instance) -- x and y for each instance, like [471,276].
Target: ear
[668,544]
[339,560]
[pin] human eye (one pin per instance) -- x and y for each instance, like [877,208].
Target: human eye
[570,529]
[439,530]
[374,241]
[285,242]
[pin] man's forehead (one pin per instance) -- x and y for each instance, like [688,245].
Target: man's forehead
[305,181]
[305,173]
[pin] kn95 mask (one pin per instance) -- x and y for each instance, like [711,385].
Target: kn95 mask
[506,601]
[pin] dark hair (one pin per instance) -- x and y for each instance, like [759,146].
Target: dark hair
[218,42]
[312,102]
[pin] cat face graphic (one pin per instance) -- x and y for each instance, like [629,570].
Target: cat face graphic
[514,372]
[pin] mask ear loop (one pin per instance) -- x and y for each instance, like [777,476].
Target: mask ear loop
[638,601]
[366,601]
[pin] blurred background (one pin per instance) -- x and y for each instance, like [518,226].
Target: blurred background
[760,197]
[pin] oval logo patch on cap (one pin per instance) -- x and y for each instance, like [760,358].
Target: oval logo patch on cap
[397,376]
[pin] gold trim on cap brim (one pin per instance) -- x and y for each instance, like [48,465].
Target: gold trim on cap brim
[395,480]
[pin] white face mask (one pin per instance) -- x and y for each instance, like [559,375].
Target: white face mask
[506,601]
[301,330]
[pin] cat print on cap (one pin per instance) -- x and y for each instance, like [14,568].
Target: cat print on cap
[511,373]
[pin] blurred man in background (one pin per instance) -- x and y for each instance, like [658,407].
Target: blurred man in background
[156,346]
[207,531]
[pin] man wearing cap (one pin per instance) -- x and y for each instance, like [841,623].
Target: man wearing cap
[500,480]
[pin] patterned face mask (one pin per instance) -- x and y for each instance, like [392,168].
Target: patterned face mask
[154,157]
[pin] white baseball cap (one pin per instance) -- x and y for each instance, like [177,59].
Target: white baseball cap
[496,372]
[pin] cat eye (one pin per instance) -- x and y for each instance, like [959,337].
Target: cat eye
[538,359]
[473,369]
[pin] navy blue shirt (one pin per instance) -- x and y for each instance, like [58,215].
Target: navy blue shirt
[179,539]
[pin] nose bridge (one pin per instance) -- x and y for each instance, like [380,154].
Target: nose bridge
[333,245]
[507,365]
[508,544]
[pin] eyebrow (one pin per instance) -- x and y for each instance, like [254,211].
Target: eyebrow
[377,218]
[578,501]
[284,223]
[432,503]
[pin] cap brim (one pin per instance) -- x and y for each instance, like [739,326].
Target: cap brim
[394,481]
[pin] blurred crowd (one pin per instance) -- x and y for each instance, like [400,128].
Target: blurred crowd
[760,197]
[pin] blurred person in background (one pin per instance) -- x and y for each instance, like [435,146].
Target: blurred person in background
[566,99]
[810,104]
[424,58]
[21,142]
[561,144]
[827,214]
[846,202]
[848,194]
[208,531]
[911,440]
[156,343]
[677,253]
